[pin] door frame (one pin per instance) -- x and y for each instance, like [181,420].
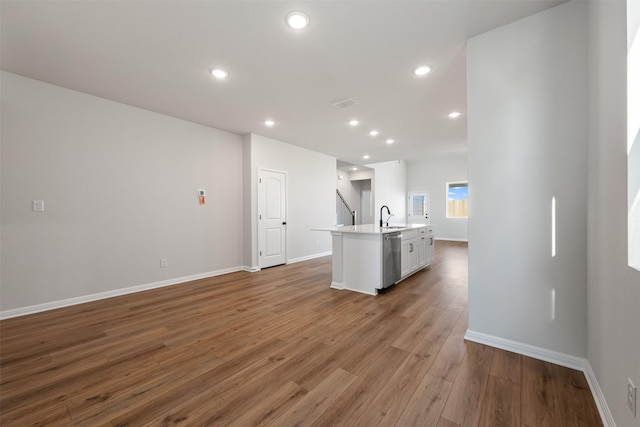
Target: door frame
[410,194]
[257,215]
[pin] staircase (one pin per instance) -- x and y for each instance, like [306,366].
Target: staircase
[344,214]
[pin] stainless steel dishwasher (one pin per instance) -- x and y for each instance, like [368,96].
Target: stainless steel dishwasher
[390,258]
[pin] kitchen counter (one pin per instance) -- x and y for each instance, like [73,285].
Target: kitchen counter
[358,258]
[370,228]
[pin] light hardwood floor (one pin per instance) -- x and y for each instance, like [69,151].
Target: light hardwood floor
[279,347]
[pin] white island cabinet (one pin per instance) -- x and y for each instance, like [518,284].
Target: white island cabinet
[409,252]
[358,263]
[426,246]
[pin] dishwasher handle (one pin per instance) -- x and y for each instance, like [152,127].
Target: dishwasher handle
[393,236]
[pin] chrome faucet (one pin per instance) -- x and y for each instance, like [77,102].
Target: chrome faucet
[388,211]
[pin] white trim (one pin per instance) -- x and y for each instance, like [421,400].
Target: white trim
[336,285]
[540,353]
[360,291]
[250,269]
[554,357]
[341,287]
[23,311]
[598,396]
[451,239]
[308,257]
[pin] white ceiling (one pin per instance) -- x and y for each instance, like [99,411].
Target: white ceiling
[157,54]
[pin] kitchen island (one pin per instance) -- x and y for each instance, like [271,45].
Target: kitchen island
[359,259]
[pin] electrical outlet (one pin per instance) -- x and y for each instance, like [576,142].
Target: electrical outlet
[164,263]
[631,396]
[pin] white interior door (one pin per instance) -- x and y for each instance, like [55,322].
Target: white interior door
[272,219]
[418,208]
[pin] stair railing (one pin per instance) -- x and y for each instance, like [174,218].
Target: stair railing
[343,211]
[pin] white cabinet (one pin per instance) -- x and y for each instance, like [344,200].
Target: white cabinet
[417,249]
[404,258]
[431,245]
[357,262]
[413,255]
[423,243]
[409,257]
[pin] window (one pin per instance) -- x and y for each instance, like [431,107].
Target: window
[418,205]
[457,199]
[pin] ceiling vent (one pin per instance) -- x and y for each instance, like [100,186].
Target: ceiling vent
[343,104]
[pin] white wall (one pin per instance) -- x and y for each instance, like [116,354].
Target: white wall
[361,175]
[351,187]
[311,196]
[250,211]
[364,206]
[613,288]
[350,190]
[389,187]
[119,185]
[432,175]
[633,131]
[527,97]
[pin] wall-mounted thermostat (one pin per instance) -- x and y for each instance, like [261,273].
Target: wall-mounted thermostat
[201,196]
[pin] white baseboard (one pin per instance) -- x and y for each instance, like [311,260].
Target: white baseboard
[291,261]
[451,239]
[23,311]
[598,396]
[308,257]
[340,286]
[360,291]
[539,353]
[554,357]
[336,285]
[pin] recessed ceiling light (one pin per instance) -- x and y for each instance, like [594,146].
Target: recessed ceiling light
[373,132]
[422,70]
[297,20]
[454,114]
[269,122]
[219,73]
[354,122]
[389,141]
[354,168]
[366,156]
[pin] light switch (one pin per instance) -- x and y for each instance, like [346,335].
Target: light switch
[38,205]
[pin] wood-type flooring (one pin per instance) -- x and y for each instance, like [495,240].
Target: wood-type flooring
[279,347]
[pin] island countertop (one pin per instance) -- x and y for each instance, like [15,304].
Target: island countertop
[370,228]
